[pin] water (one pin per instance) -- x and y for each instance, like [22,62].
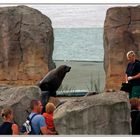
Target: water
[80,44]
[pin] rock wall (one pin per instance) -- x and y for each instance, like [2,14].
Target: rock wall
[103,114]
[26,45]
[121,34]
[18,98]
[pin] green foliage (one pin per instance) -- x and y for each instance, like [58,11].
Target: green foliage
[94,85]
[66,88]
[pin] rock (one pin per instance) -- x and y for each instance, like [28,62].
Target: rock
[106,113]
[18,98]
[55,101]
[26,45]
[91,93]
[121,34]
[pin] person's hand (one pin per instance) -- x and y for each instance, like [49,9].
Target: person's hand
[130,78]
[25,133]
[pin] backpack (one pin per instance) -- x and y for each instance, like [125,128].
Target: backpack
[27,126]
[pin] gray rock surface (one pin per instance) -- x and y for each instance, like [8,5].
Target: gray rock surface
[121,34]
[106,113]
[18,98]
[26,45]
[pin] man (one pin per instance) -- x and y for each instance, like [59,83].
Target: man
[133,74]
[38,121]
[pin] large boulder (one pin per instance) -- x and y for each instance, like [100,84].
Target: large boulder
[18,98]
[26,45]
[121,34]
[107,113]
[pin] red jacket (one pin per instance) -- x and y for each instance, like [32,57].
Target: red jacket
[49,120]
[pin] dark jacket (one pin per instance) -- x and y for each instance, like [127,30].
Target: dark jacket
[132,70]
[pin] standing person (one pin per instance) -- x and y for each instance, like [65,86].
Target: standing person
[8,127]
[135,111]
[133,74]
[136,128]
[38,122]
[50,107]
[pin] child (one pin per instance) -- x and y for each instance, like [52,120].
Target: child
[50,107]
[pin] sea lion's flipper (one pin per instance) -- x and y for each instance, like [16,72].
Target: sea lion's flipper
[45,95]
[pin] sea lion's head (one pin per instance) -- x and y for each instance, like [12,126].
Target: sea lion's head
[64,68]
[67,68]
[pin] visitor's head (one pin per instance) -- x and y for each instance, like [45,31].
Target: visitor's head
[36,106]
[131,56]
[7,114]
[50,107]
[135,103]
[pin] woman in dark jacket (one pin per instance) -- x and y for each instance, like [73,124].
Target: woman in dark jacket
[8,127]
[133,74]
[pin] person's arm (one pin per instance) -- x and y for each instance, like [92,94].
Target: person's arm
[44,130]
[136,76]
[49,132]
[42,124]
[126,78]
[15,129]
[137,69]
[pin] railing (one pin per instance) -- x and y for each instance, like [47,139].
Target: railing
[71,93]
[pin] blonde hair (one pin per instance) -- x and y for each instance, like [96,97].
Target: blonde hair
[130,53]
[5,112]
[50,107]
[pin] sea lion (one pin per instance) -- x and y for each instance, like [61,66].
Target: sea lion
[52,81]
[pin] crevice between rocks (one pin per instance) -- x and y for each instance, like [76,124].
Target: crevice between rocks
[129,23]
[20,46]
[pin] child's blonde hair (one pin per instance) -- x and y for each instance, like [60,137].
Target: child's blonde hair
[50,107]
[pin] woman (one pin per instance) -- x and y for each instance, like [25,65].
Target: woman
[50,107]
[133,74]
[8,127]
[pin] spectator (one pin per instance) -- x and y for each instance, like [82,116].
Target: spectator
[133,74]
[38,121]
[135,110]
[136,130]
[50,107]
[8,127]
